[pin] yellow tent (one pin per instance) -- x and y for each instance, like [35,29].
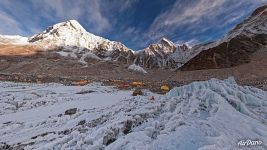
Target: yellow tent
[137,84]
[80,82]
[165,88]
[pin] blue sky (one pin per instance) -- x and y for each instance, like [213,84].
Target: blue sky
[136,23]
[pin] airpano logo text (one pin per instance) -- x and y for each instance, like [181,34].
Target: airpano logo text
[249,142]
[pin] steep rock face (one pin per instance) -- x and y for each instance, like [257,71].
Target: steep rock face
[73,40]
[164,54]
[237,47]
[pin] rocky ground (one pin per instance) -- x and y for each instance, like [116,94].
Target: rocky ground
[51,67]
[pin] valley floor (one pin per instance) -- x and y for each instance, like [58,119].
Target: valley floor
[51,67]
[213,114]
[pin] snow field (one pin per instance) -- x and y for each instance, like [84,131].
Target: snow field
[214,114]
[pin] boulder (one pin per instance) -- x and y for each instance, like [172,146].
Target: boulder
[82,122]
[137,92]
[71,111]
[127,126]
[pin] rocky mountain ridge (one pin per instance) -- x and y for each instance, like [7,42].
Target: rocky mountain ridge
[70,39]
[163,54]
[237,47]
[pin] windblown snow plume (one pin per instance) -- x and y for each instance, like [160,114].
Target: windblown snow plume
[214,114]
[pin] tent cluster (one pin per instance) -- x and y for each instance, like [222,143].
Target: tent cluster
[80,82]
[130,85]
[138,85]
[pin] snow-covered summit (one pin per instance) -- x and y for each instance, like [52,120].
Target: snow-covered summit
[71,33]
[163,47]
[164,54]
[75,41]
[70,24]
[166,42]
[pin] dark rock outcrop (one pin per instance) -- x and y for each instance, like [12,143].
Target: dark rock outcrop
[71,111]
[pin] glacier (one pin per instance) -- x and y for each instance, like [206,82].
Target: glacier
[213,114]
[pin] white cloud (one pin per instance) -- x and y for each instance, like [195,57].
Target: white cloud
[179,15]
[96,18]
[126,4]
[9,25]
[198,16]
[190,17]
[88,11]
[91,12]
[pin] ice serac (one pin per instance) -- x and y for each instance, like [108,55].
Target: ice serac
[163,54]
[237,47]
[73,40]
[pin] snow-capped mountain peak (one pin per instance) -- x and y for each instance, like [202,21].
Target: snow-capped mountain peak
[69,33]
[164,54]
[162,48]
[75,41]
[68,25]
[75,24]
[166,42]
